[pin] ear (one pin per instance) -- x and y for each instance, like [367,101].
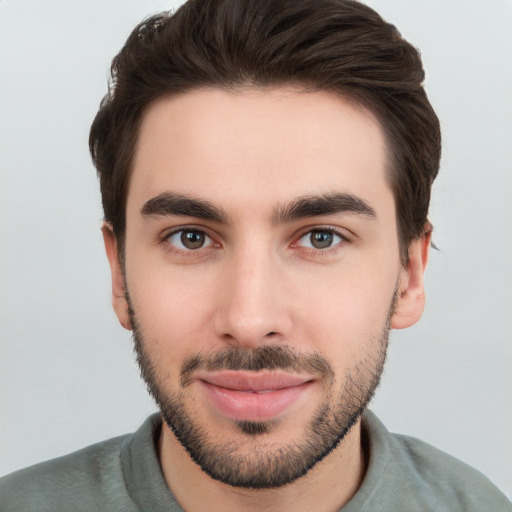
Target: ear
[411,291]
[118,284]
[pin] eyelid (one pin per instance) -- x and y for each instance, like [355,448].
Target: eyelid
[343,233]
[167,234]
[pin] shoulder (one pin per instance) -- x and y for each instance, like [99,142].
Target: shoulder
[406,473]
[439,473]
[78,481]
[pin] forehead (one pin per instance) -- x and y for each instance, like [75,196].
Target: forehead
[260,146]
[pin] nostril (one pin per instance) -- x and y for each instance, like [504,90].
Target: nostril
[272,333]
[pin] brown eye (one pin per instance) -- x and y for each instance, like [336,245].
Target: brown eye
[189,240]
[192,239]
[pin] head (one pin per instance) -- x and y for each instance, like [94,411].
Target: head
[339,46]
[265,170]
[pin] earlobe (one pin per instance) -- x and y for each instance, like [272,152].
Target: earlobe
[411,292]
[118,283]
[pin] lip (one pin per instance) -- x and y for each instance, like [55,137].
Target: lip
[253,396]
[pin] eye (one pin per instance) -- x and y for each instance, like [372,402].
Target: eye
[320,239]
[189,239]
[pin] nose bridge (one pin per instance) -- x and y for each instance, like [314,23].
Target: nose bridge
[252,310]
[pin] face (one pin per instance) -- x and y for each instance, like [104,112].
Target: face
[262,274]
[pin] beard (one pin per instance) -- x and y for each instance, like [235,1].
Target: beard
[265,464]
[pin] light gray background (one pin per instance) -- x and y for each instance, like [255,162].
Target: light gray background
[67,376]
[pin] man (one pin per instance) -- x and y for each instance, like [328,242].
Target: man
[265,169]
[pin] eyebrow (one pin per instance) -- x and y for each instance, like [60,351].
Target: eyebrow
[169,203]
[176,204]
[326,204]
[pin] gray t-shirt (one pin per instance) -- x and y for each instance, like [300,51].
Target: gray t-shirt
[124,474]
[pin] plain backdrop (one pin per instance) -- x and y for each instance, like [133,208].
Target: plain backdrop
[67,372]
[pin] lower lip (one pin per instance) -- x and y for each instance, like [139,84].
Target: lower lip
[246,406]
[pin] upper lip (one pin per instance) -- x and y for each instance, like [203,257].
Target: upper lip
[263,380]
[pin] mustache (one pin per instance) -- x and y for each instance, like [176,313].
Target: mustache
[268,357]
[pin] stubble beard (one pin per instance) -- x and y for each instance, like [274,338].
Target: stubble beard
[266,464]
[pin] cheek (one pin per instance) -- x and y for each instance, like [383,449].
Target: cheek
[347,315]
[174,309]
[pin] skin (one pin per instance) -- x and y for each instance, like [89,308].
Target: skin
[257,280]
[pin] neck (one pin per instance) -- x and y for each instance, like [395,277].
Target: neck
[326,487]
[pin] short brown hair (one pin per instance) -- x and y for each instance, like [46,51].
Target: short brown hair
[341,46]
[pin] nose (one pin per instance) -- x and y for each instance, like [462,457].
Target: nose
[252,308]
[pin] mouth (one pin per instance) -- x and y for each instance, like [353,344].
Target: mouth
[253,396]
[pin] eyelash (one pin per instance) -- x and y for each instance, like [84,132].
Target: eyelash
[344,239]
[165,239]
